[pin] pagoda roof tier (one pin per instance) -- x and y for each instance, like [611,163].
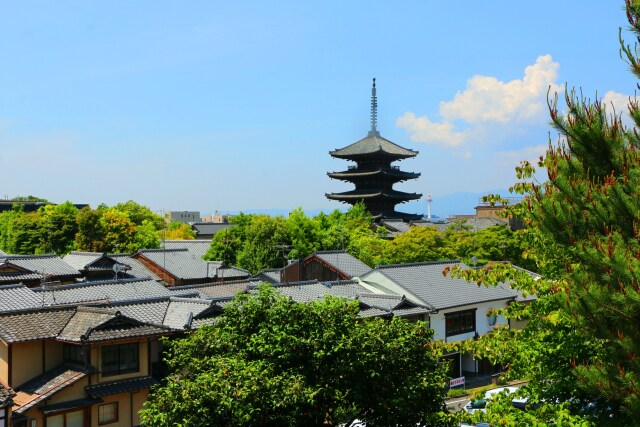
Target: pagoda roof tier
[350,174]
[373,194]
[371,146]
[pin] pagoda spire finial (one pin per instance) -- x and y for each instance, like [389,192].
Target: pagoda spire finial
[374,111]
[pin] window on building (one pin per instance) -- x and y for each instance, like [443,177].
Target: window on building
[120,359]
[460,322]
[68,419]
[108,413]
[72,353]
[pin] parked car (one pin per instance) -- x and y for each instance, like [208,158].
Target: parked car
[481,404]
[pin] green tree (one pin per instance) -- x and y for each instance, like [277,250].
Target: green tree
[146,236]
[7,219]
[119,236]
[177,231]
[269,361]
[582,343]
[260,250]
[26,234]
[138,214]
[416,245]
[59,227]
[303,233]
[91,231]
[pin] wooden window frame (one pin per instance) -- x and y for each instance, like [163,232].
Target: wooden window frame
[463,326]
[85,416]
[67,350]
[117,414]
[121,351]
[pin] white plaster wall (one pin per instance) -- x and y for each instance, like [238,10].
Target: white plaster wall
[482,325]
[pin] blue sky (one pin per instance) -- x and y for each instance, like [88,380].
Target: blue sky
[207,105]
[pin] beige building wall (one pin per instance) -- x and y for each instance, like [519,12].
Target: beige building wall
[29,358]
[26,361]
[52,354]
[184,216]
[4,362]
[129,405]
[490,212]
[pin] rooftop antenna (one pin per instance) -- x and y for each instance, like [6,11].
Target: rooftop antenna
[374,111]
[45,285]
[117,268]
[429,199]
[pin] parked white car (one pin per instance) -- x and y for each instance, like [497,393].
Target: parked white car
[481,404]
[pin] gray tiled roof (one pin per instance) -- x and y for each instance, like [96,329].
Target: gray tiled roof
[92,261]
[344,262]
[373,144]
[17,277]
[94,324]
[209,228]
[137,269]
[179,263]
[346,288]
[83,321]
[426,282]
[75,324]
[121,330]
[269,276]
[79,260]
[396,304]
[214,290]
[45,264]
[371,304]
[34,324]
[46,385]
[2,253]
[228,272]
[17,297]
[182,311]
[5,396]
[195,247]
[117,387]
[108,290]
[144,310]
[304,291]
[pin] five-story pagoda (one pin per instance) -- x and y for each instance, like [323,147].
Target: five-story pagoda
[373,175]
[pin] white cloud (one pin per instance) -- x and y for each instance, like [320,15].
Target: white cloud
[620,103]
[487,101]
[422,129]
[512,158]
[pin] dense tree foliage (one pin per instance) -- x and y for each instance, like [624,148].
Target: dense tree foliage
[125,227]
[178,231]
[581,347]
[269,361]
[256,242]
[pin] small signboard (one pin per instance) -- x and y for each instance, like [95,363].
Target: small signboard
[455,382]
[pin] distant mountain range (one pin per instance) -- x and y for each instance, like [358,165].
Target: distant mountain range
[442,206]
